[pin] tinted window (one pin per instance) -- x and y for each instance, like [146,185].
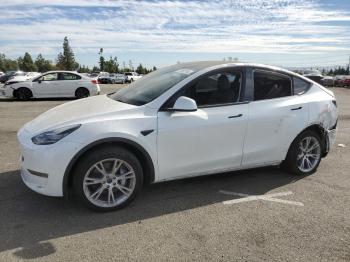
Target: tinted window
[49,77]
[300,86]
[69,76]
[216,89]
[268,85]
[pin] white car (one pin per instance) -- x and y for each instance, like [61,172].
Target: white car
[132,76]
[52,84]
[180,121]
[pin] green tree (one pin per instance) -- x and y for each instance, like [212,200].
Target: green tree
[102,59]
[111,65]
[7,64]
[141,70]
[66,59]
[95,69]
[84,69]
[42,64]
[154,68]
[26,63]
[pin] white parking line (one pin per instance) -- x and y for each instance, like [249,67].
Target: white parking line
[268,197]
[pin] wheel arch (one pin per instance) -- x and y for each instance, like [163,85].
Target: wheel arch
[22,87]
[141,153]
[81,87]
[319,130]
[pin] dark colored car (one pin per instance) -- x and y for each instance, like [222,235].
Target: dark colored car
[4,78]
[106,80]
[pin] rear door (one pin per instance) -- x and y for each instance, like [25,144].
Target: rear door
[69,82]
[276,117]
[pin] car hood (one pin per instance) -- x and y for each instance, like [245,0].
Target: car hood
[77,112]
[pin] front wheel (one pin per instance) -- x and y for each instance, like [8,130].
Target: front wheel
[305,154]
[108,178]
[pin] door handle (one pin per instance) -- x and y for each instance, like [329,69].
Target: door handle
[235,116]
[297,108]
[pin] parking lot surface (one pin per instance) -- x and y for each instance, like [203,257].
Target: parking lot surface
[256,215]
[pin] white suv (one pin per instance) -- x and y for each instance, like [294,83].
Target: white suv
[52,84]
[131,76]
[179,121]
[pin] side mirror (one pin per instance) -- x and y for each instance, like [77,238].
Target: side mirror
[39,81]
[185,104]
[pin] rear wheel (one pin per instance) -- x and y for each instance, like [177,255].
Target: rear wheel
[108,178]
[23,93]
[305,154]
[82,92]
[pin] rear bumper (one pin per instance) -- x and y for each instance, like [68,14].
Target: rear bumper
[330,139]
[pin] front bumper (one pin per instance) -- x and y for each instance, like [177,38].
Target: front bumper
[43,166]
[6,92]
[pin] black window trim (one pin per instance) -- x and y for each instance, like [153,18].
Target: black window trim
[60,78]
[275,72]
[241,69]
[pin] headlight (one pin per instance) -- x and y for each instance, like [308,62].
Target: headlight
[51,137]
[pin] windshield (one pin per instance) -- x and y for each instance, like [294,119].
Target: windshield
[154,84]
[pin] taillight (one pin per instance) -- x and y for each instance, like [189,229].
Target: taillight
[94,81]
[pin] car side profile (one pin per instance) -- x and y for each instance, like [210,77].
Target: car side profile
[52,84]
[131,77]
[180,121]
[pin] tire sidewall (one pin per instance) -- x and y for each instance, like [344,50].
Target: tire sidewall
[100,154]
[291,160]
[82,89]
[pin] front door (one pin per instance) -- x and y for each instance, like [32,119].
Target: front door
[46,85]
[209,139]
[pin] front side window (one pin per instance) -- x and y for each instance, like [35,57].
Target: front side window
[49,77]
[69,76]
[269,85]
[216,89]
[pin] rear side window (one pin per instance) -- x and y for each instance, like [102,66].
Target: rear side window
[69,76]
[300,86]
[269,85]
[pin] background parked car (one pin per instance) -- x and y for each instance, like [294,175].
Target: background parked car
[21,78]
[105,80]
[9,74]
[338,79]
[132,76]
[118,78]
[327,81]
[345,82]
[52,84]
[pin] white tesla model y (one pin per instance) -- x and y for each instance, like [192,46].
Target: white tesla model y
[180,121]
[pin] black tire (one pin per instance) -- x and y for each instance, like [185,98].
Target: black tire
[23,94]
[290,164]
[82,92]
[100,154]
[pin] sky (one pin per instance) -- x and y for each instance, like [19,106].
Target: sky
[288,33]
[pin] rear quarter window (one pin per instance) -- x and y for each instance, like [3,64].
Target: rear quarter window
[300,86]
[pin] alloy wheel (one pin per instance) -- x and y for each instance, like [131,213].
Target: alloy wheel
[309,154]
[109,182]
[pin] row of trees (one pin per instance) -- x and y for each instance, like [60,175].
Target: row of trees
[66,61]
